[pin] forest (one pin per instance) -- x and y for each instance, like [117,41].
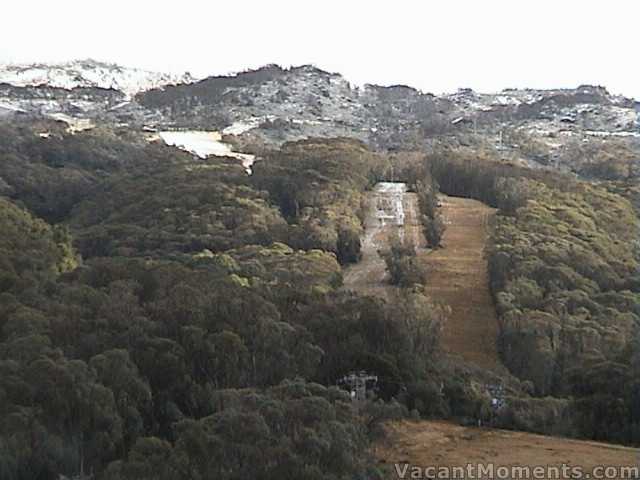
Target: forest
[155,308]
[163,317]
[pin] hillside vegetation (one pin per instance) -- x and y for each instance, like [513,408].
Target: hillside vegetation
[564,270]
[163,316]
[165,329]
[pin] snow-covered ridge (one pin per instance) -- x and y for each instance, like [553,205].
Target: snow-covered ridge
[88,73]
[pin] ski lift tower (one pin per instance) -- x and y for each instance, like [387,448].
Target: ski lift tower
[359,384]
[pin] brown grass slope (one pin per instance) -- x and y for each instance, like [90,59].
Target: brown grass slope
[458,277]
[432,443]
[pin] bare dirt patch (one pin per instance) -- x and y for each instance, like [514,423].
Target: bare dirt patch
[458,277]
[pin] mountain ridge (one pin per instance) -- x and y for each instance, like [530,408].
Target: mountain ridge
[87,73]
[271,105]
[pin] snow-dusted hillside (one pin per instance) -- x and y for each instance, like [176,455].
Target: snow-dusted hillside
[264,108]
[88,73]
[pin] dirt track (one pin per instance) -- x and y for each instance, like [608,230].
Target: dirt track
[425,444]
[458,277]
[390,208]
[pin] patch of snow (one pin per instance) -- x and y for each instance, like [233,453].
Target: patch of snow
[298,121]
[240,127]
[11,107]
[83,105]
[593,133]
[389,207]
[74,125]
[394,211]
[119,105]
[203,144]
[505,100]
